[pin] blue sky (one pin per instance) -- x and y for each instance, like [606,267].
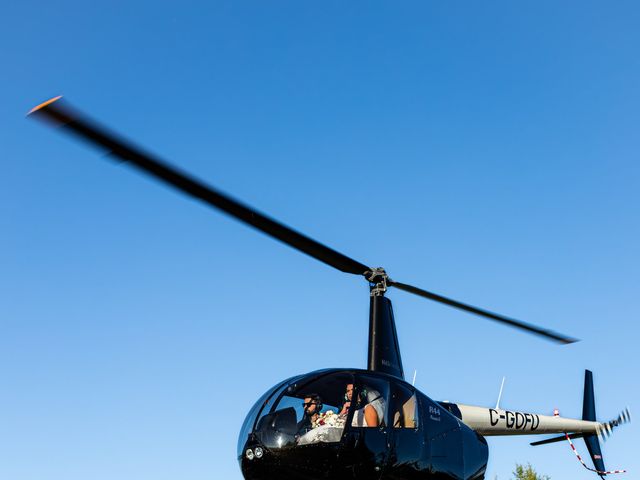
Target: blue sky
[484,150]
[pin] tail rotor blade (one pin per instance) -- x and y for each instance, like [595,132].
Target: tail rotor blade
[624,417]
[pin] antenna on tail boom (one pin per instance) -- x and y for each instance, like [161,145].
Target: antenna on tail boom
[500,394]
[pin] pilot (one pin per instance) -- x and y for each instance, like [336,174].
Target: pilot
[312,405]
[370,407]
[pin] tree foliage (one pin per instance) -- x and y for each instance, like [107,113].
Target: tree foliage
[526,472]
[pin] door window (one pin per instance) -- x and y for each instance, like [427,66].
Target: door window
[405,408]
[370,399]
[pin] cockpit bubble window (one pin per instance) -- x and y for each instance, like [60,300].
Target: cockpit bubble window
[264,403]
[268,405]
[307,413]
[247,425]
[370,400]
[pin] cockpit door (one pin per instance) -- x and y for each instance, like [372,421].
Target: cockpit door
[365,446]
[409,449]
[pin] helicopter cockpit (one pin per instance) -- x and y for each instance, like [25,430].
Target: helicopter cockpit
[315,408]
[312,418]
[307,410]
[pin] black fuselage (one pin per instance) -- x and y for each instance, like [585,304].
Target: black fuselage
[416,438]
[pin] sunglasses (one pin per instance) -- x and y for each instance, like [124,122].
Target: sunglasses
[304,405]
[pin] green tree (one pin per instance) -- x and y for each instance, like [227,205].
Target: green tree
[527,472]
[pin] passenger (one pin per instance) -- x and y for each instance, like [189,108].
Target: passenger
[370,407]
[311,407]
[348,395]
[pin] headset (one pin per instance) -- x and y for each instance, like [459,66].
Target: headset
[362,395]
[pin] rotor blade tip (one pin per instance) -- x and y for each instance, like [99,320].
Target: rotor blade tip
[44,104]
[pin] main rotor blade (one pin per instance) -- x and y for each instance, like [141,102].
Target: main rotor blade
[548,334]
[72,121]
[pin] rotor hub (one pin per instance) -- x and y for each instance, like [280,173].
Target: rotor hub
[377,279]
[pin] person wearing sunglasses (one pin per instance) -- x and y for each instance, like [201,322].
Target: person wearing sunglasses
[311,408]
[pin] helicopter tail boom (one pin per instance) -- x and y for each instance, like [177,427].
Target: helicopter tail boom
[498,422]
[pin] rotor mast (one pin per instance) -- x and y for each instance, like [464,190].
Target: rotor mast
[384,349]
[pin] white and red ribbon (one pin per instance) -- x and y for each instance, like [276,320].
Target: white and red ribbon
[585,465]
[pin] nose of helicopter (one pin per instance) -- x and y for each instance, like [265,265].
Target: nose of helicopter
[260,463]
[267,466]
[278,440]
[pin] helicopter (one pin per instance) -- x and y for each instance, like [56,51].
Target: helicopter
[357,423]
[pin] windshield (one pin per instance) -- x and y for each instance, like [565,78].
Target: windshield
[307,412]
[264,403]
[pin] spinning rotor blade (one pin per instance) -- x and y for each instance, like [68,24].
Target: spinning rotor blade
[548,334]
[74,122]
